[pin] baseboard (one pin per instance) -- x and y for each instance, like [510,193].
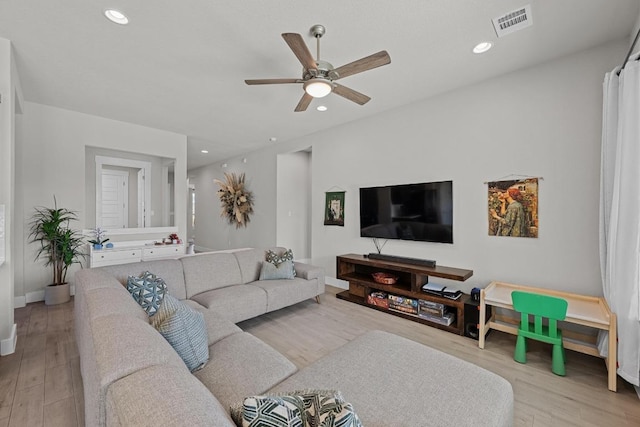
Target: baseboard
[34,296]
[8,346]
[338,283]
[19,302]
[39,295]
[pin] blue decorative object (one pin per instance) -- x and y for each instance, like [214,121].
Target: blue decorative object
[97,246]
[109,245]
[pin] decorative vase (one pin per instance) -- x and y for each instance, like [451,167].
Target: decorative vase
[57,294]
[97,246]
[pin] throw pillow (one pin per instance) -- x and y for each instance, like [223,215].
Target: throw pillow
[185,329]
[148,290]
[336,414]
[271,271]
[320,408]
[276,259]
[284,411]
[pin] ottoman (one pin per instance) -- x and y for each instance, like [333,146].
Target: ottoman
[393,381]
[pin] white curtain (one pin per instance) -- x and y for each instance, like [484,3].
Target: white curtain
[620,212]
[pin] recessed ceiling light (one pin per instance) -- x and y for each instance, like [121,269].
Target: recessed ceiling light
[321,108]
[204,151]
[482,47]
[116,16]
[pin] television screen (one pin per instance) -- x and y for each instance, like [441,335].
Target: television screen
[422,212]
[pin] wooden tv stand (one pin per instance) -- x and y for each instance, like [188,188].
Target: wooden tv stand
[357,270]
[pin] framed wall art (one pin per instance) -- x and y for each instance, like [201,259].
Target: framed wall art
[513,208]
[334,208]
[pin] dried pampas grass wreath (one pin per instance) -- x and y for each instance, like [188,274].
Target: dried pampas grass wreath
[236,201]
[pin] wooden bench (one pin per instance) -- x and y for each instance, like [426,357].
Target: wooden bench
[583,310]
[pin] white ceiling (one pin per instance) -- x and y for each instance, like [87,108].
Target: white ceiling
[180,66]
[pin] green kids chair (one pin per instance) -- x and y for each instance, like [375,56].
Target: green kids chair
[540,307]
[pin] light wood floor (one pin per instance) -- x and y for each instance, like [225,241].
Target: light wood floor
[40,383]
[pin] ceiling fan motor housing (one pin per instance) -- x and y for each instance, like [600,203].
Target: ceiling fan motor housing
[324,70]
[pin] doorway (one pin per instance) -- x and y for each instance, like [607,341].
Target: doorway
[132,194]
[115,199]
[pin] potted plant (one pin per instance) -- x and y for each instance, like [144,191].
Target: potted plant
[60,247]
[99,239]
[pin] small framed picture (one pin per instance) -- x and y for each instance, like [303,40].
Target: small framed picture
[334,208]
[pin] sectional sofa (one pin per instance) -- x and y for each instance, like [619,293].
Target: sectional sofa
[133,377]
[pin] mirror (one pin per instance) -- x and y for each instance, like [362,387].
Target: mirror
[128,191]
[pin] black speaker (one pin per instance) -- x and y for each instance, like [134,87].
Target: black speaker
[472,318]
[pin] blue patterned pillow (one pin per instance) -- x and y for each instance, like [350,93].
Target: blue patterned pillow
[270,271]
[148,290]
[276,259]
[184,328]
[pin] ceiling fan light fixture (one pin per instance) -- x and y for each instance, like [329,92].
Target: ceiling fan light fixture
[318,87]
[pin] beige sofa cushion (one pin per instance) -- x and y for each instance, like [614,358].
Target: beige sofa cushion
[235,303]
[124,345]
[217,326]
[169,270]
[285,292]
[241,365]
[163,396]
[203,272]
[250,262]
[109,301]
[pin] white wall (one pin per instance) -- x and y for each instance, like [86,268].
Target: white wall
[543,121]
[50,160]
[11,100]
[293,204]
[212,231]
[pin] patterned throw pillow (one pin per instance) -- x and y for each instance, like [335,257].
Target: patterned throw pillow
[320,408]
[148,290]
[276,259]
[338,415]
[272,411]
[184,328]
[270,271]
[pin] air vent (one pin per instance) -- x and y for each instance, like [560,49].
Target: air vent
[513,21]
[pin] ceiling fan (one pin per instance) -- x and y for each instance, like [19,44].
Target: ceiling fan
[318,76]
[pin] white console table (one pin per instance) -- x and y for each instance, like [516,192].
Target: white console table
[130,252]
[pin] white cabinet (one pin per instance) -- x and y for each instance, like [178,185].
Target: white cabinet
[168,251]
[129,253]
[102,257]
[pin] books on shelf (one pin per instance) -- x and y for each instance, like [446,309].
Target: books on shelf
[403,304]
[441,291]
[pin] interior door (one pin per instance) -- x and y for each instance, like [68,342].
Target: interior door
[115,199]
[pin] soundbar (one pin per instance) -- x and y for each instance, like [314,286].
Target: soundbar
[415,261]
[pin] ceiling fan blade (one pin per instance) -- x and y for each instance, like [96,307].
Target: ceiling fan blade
[272,81]
[300,49]
[367,63]
[350,94]
[304,103]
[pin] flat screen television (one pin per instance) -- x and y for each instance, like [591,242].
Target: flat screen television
[422,212]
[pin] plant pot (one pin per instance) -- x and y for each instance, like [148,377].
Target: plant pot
[97,246]
[57,294]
